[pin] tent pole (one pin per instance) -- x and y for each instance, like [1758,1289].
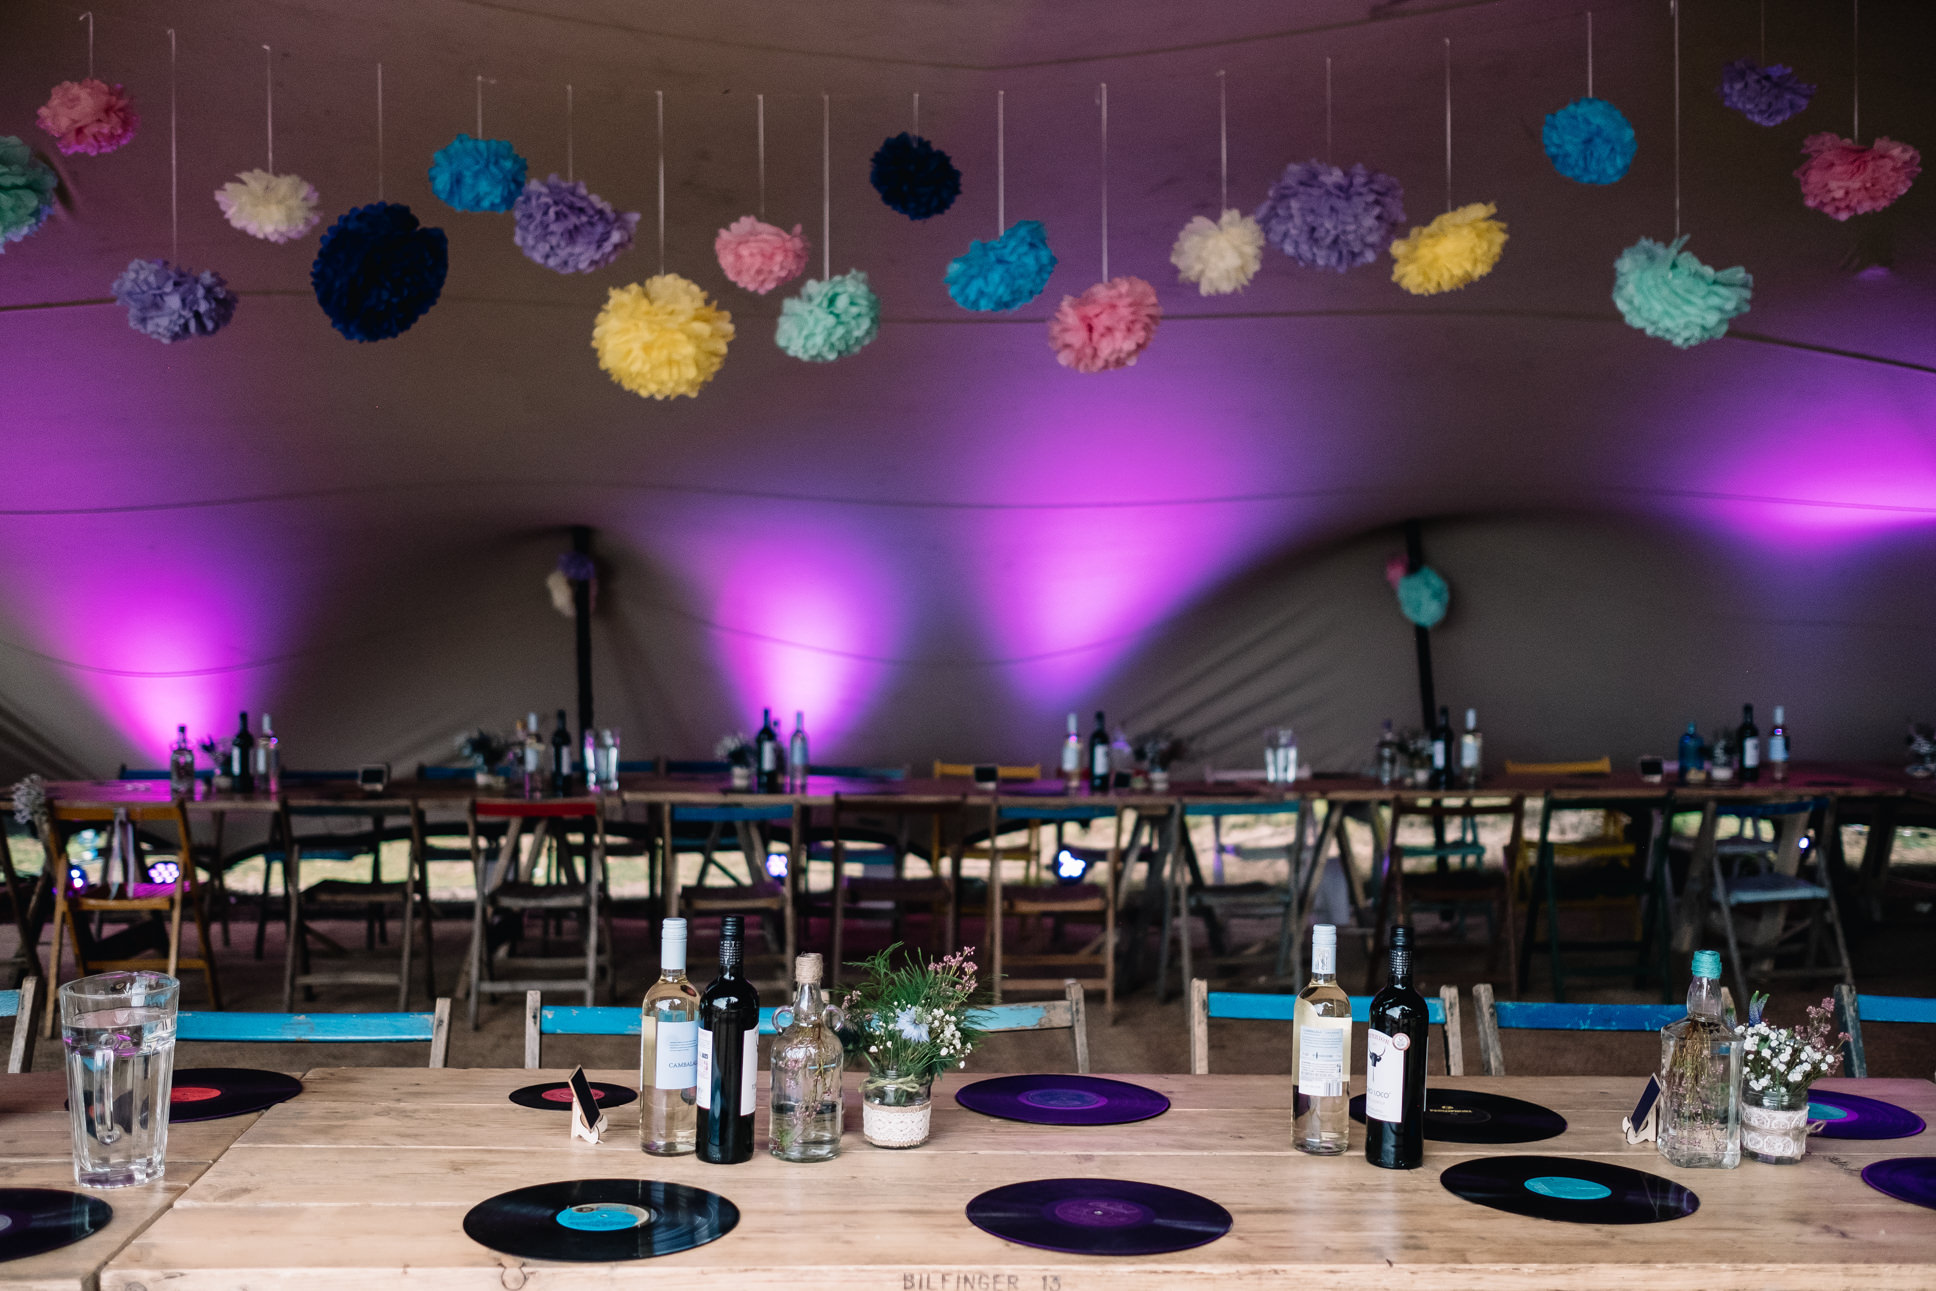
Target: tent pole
[1422,637]
[581,622]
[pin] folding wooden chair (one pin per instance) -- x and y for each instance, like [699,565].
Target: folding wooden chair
[1217,903]
[1460,879]
[508,890]
[1441,1011]
[409,896]
[1768,877]
[1057,901]
[761,895]
[127,892]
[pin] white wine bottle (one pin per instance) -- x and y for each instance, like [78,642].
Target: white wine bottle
[669,1051]
[1321,1053]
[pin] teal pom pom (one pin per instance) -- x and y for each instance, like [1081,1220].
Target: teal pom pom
[1005,273]
[1589,140]
[830,318]
[26,190]
[1423,596]
[1668,294]
[477,174]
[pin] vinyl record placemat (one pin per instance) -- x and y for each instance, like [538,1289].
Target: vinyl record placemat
[1469,1116]
[1851,1116]
[600,1220]
[1570,1189]
[1062,1100]
[211,1093]
[1910,1179]
[1098,1216]
[34,1221]
[557,1096]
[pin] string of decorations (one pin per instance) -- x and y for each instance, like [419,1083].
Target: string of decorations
[562,225]
[912,175]
[1323,217]
[164,300]
[1011,269]
[1589,139]
[261,203]
[1767,94]
[832,317]
[1110,324]
[1221,255]
[1842,177]
[1458,247]
[753,254]
[89,116]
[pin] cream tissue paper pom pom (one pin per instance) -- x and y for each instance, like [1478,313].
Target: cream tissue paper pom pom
[276,208]
[1219,256]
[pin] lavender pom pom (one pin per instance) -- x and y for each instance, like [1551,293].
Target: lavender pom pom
[1767,95]
[566,228]
[172,304]
[1589,140]
[477,174]
[915,177]
[1327,218]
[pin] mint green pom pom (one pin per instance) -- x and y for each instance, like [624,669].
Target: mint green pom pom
[1668,294]
[830,318]
[26,190]
[1423,596]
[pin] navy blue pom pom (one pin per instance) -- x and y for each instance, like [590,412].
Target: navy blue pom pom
[377,272]
[915,177]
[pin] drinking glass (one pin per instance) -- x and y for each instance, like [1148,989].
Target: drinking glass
[118,1031]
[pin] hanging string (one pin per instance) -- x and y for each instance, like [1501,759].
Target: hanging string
[570,150]
[826,186]
[88,18]
[1001,162]
[1675,5]
[917,114]
[174,208]
[1855,69]
[1223,145]
[1448,123]
[269,62]
[480,105]
[1327,109]
[1764,33]
[759,101]
[659,107]
[1589,53]
[379,132]
[1103,98]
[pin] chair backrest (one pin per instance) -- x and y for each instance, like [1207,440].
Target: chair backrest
[1067,1013]
[1492,1016]
[290,776]
[1287,807]
[1857,1009]
[639,766]
[1590,766]
[19,1005]
[322,1028]
[1441,1011]
[966,771]
[1050,810]
[539,809]
[430,774]
[159,773]
[679,766]
[730,815]
[859,773]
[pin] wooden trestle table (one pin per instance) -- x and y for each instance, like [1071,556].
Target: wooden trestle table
[365,1178]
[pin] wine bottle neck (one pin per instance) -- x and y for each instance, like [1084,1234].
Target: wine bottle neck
[1401,968]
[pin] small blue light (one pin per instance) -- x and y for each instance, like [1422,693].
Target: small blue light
[1069,867]
[164,871]
[776,865]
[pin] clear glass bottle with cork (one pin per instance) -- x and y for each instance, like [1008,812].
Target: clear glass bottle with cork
[1700,1078]
[806,1064]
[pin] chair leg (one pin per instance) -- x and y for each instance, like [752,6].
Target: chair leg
[1727,923]
[209,977]
[292,951]
[478,954]
[407,924]
[52,986]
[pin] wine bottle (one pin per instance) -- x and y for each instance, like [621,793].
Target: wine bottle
[268,759]
[1321,1053]
[798,765]
[1395,1066]
[242,759]
[669,1051]
[181,765]
[532,752]
[1387,755]
[1072,754]
[1442,750]
[1778,748]
[1099,757]
[766,755]
[1472,749]
[729,1056]
[561,778]
[1747,745]
[1693,761]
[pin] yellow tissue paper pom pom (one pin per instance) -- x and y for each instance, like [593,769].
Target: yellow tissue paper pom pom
[661,338]
[1458,247]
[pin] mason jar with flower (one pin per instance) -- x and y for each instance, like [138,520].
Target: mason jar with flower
[1778,1064]
[909,1021]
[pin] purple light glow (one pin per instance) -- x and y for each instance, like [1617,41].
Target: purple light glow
[1842,475]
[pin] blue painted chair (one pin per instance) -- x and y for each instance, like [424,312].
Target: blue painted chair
[1493,1016]
[1216,904]
[19,1005]
[1054,1015]
[1856,1009]
[322,1028]
[1441,1011]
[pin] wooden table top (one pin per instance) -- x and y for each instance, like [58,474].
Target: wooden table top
[369,1173]
[37,1151]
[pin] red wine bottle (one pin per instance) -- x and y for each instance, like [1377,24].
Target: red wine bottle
[1395,1066]
[729,1056]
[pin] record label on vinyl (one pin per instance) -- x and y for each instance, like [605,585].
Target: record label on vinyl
[212,1093]
[600,1220]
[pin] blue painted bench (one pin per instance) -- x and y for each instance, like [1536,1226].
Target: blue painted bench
[1530,1015]
[322,1028]
[1854,1010]
[1441,1011]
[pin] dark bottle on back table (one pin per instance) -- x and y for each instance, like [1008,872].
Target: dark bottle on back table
[242,759]
[729,1052]
[561,778]
[1099,757]
[1747,744]
[766,755]
[1395,1066]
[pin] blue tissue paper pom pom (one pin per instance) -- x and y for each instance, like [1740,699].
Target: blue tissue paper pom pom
[377,272]
[1423,596]
[1767,95]
[915,177]
[477,174]
[1004,273]
[173,304]
[1589,140]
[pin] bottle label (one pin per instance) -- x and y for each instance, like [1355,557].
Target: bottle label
[770,756]
[1751,751]
[677,1049]
[1777,748]
[749,1067]
[1469,752]
[1384,1078]
[703,1069]
[1099,760]
[1438,755]
[1322,1046]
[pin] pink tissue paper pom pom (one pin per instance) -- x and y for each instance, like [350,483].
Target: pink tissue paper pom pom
[760,256]
[88,116]
[1105,327]
[1842,178]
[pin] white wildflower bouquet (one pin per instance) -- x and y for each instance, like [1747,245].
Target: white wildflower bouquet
[1775,1057]
[911,1019]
